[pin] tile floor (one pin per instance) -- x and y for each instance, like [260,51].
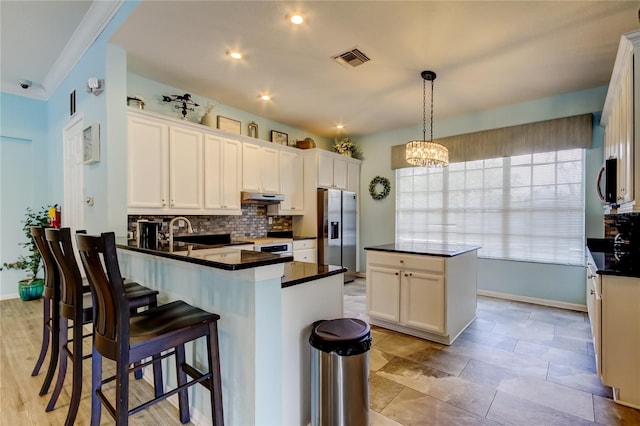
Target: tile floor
[516,364]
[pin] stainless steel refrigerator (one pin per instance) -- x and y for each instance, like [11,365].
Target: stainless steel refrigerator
[337,230]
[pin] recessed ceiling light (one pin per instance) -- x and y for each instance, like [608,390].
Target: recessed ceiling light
[235,54]
[339,126]
[296,18]
[265,97]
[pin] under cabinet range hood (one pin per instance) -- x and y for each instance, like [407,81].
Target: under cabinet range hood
[260,198]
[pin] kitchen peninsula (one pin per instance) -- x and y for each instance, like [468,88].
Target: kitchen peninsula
[267,304]
[427,290]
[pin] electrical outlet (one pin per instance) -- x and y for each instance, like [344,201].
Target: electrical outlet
[270,220]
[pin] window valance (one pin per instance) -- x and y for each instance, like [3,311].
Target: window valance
[543,136]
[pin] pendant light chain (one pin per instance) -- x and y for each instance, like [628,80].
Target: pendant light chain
[424,109]
[431,140]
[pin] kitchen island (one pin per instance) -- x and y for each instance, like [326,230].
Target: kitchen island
[427,290]
[267,304]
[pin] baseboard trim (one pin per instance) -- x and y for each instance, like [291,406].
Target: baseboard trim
[534,300]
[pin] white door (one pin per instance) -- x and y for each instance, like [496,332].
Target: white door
[73,176]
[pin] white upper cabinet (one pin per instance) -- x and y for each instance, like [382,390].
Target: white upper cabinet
[332,171]
[185,168]
[353,177]
[147,163]
[222,179]
[260,169]
[164,166]
[622,122]
[291,183]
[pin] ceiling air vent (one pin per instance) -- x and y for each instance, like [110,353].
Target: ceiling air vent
[353,57]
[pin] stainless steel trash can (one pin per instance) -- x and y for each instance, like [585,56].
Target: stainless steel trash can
[340,372]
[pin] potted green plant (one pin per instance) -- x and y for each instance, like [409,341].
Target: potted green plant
[31,287]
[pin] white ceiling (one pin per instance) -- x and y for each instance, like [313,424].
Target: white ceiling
[486,54]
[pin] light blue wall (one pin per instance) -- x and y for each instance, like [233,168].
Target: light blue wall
[378,217]
[99,178]
[23,177]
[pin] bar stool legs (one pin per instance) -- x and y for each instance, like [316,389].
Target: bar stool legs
[50,335]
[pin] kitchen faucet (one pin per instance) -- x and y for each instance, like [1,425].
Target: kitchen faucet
[189,229]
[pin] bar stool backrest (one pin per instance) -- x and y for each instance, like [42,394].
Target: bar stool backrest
[71,295]
[51,276]
[111,318]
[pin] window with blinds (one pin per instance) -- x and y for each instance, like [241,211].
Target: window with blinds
[526,207]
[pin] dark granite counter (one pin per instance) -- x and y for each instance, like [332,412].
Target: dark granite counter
[217,256]
[232,259]
[608,263]
[302,272]
[429,249]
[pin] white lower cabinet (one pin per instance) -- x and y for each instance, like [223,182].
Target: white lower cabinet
[432,297]
[620,338]
[422,301]
[305,251]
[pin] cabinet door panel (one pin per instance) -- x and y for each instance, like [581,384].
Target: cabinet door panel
[148,163]
[353,177]
[270,170]
[251,179]
[325,171]
[231,166]
[213,183]
[291,183]
[423,304]
[185,168]
[383,293]
[339,174]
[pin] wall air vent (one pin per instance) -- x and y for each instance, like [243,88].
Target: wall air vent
[353,58]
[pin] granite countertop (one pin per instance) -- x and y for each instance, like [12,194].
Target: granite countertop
[608,263]
[224,256]
[300,272]
[430,249]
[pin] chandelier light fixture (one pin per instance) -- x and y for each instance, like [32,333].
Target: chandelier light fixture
[426,153]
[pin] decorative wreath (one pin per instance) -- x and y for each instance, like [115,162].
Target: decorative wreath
[386,187]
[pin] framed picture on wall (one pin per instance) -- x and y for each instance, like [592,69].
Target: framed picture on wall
[279,137]
[229,125]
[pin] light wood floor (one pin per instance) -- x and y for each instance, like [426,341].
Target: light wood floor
[20,405]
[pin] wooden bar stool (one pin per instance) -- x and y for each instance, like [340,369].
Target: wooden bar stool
[125,337]
[76,306]
[50,312]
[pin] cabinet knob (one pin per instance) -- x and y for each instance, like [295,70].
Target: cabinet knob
[401,261]
[592,292]
[397,273]
[164,203]
[406,275]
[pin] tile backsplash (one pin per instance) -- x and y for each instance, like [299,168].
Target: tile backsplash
[254,222]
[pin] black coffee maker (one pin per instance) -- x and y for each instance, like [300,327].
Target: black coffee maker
[148,234]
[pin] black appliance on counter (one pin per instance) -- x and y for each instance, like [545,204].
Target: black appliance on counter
[606,183]
[148,234]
